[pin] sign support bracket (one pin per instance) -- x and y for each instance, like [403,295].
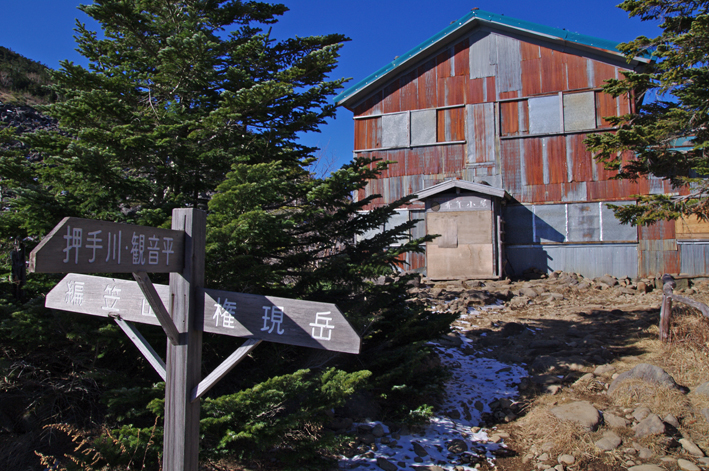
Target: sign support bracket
[146,286]
[148,352]
[224,368]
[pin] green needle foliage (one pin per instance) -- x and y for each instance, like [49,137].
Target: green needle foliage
[193,103]
[675,90]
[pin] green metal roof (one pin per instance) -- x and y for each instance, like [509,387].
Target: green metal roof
[484,17]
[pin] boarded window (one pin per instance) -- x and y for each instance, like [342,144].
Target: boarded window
[579,111]
[423,127]
[544,116]
[395,130]
[450,125]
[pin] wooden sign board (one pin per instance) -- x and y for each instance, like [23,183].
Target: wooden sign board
[273,319]
[88,246]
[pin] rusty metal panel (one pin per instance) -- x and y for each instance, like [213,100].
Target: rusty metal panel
[423,127]
[533,161]
[584,222]
[453,159]
[483,55]
[579,160]
[577,70]
[415,161]
[579,111]
[372,105]
[588,260]
[509,118]
[427,81]
[529,51]
[476,92]
[531,77]
[457,124]
[462,58]
[545,193]
[549,223]
[553,71]
[510,158]
[481,133]
[408,95]
[601,73]
[574,191]
[611,228]
[455,90]
[398,166]
[606,105]
[694,257]
[432,161]
[555,160]
[443,65]
[395,130]
[509,57]
[544,116]
[390,98]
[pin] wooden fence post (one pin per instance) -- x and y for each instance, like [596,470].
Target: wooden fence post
[181,440]
[668,284]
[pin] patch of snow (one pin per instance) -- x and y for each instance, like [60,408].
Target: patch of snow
[475,382]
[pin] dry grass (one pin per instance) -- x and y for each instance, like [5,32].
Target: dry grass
[661,400]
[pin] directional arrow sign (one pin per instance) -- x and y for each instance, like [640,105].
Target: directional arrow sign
[280,320]
[89,246]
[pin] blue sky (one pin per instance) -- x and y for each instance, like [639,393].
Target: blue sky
[379,31]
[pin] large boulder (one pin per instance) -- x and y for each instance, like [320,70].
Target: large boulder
[648,373]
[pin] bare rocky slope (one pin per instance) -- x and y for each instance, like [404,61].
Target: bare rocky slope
[603,392]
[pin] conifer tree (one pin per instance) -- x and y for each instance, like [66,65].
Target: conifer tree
[672,95]
[192,103]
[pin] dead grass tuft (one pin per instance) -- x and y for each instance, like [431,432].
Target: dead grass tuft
[661,400]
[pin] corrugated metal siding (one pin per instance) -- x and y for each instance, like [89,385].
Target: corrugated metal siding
[658,249]
[553,70]
[577,72]
[481,132]
[588,260]
[694,258]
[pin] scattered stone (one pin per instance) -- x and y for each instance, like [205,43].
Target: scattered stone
[613,421]
[604,370]
[645,372]
[378,431]
[581,412]
[543,457]
[386,465]
[457,446]
[702,389]
[651,425]
[646,467]
[566,459]
[687,465]
[691,448]
[419,450]
[672,420]
[641,412]
[644,453]
[610,441]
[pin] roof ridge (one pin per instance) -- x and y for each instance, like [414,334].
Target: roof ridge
[487,17]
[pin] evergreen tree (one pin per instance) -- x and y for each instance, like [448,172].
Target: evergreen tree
[672,94]
[191,103]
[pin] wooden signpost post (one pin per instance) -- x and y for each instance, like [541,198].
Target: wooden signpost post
[184,309]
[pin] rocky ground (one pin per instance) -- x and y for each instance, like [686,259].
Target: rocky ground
[603,393]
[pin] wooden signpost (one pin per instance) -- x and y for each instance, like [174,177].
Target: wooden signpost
[184,309]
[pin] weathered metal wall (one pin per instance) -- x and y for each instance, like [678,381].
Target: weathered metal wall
[590,260]
[694,256]
[512,112]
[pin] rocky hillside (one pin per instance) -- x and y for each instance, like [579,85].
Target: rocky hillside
[22,80]
[603,393]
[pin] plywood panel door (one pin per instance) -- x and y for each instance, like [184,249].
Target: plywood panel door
[471,256]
